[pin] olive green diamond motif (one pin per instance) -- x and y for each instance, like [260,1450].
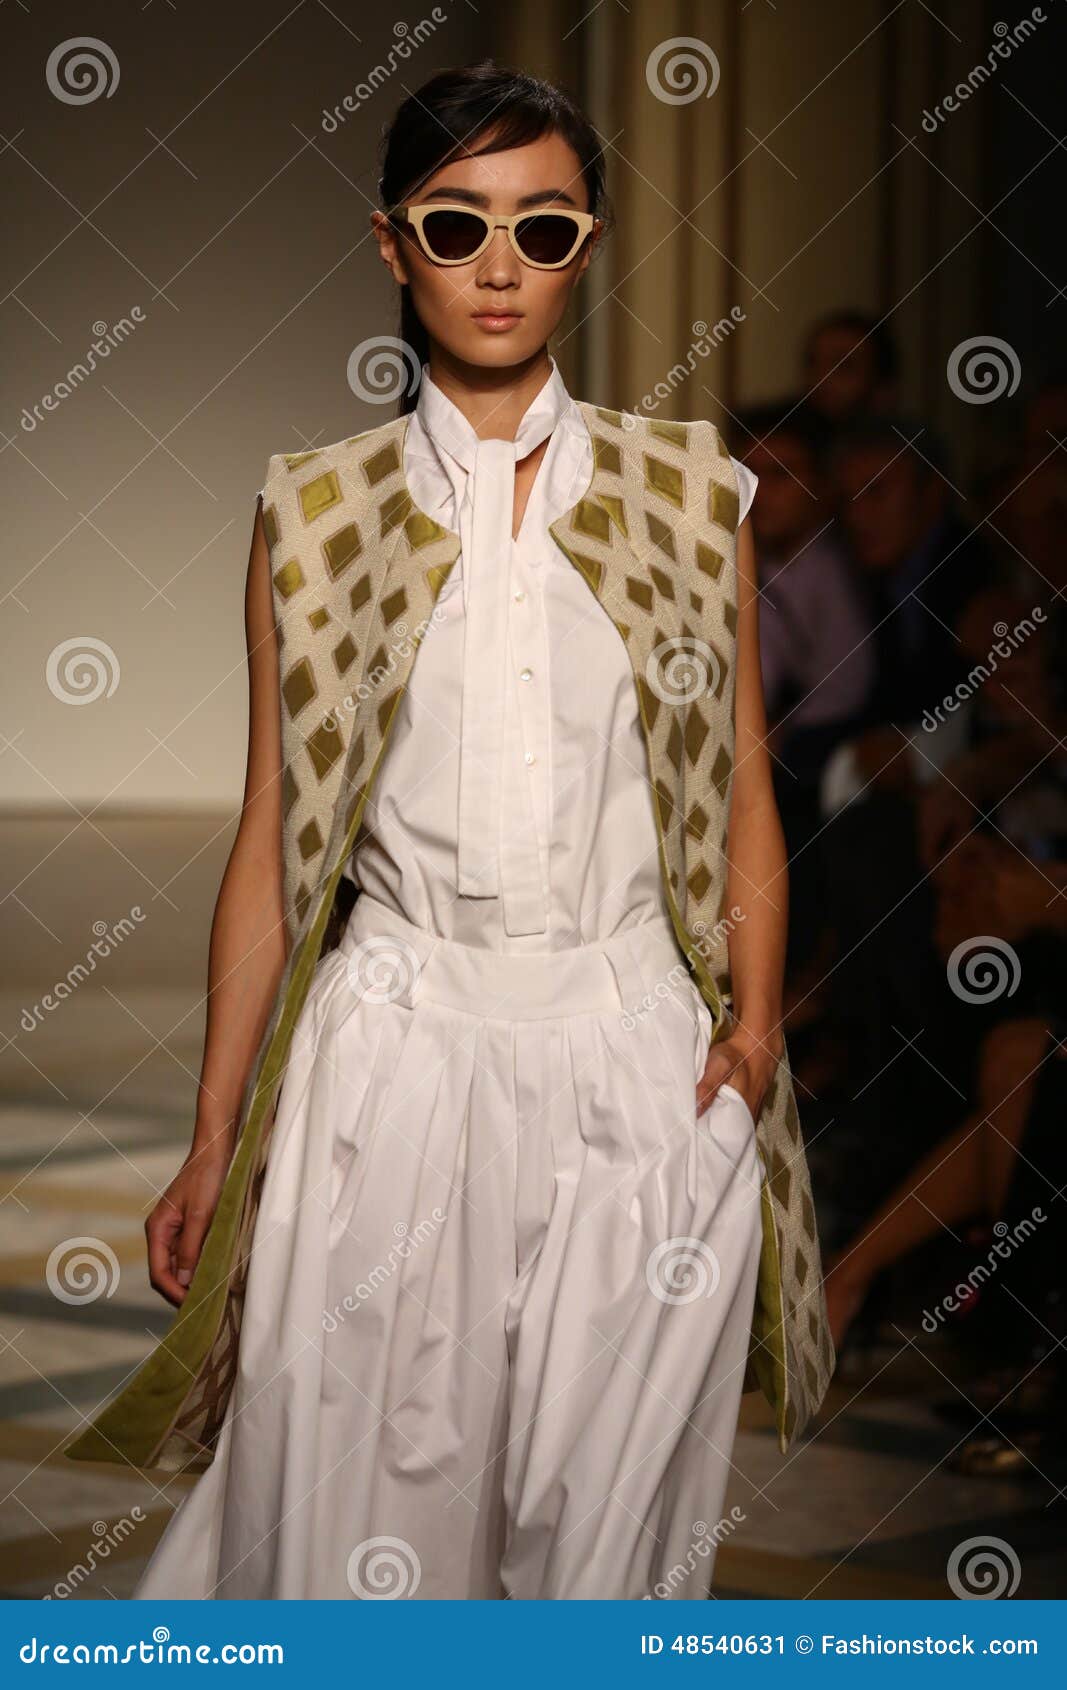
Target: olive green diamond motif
[320,495]
[299,687]
[342,549]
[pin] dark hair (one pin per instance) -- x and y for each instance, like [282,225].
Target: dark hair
[483,103]
[897,436]
[874,329]
[791,417]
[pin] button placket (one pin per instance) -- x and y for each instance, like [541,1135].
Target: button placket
[520,849]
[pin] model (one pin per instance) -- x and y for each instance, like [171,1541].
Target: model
[510,1203]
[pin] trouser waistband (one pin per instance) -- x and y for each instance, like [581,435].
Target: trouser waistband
[390,960]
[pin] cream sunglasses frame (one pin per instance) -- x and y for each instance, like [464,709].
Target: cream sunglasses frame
[413,215]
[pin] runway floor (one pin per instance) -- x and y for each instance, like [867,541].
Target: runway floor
[866,1506]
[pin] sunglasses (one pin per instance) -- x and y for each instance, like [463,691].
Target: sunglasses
[454,234]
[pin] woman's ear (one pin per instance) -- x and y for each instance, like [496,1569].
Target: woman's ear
[388,246]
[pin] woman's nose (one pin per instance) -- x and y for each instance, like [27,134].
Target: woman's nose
[499,265]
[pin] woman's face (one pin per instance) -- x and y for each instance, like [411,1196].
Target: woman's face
[496,311]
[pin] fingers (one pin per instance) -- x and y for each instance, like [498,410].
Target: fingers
[162,1227]
[708,1081]
[191,1242]
[712,1078]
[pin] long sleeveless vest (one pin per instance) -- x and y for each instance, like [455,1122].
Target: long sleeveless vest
[356,572]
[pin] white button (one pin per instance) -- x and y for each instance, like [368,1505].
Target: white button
[530,758]
[525,674]
[519,597]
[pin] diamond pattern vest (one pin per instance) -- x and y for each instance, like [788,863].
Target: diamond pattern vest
[356,572]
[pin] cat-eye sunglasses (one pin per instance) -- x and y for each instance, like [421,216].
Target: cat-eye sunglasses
[454,234]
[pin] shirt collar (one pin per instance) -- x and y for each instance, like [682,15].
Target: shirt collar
[451,435]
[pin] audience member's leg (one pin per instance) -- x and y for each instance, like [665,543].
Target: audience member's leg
[887,990]
[963,1177]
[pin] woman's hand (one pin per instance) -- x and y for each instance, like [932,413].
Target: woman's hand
[749,1065]
[178,1224]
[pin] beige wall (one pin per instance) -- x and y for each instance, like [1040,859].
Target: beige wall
[242,237]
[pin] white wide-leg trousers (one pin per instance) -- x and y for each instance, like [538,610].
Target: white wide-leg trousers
[501,1287]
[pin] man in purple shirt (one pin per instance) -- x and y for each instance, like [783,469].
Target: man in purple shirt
[815,653]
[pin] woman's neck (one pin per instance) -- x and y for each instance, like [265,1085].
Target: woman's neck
[494,402]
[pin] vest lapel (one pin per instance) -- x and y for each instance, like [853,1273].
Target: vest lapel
[386,563]
[654,538]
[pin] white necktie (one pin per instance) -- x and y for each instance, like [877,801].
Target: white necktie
[485,522]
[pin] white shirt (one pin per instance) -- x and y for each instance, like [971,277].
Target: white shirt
[577,847]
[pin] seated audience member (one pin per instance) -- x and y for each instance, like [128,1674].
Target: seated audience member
[967,847]
[889,1014]
[1028,512]
[1009,767]
[815,657]
[850,371]
[917,563]
[998,1176]
[993,845]
[816,661]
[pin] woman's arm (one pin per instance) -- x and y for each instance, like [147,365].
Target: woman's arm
[246,958]
[757,877]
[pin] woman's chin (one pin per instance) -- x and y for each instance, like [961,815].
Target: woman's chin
[494,349]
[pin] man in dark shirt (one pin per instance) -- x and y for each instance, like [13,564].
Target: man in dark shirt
[918,565]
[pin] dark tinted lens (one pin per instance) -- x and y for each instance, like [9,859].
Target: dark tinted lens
[545,236]
[453,234]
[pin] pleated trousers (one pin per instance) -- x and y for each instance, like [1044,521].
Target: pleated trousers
[500,1290]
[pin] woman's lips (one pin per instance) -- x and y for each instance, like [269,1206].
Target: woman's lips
[496,322]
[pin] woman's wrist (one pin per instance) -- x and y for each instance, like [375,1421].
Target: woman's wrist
[214,1138]
[762,1035]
